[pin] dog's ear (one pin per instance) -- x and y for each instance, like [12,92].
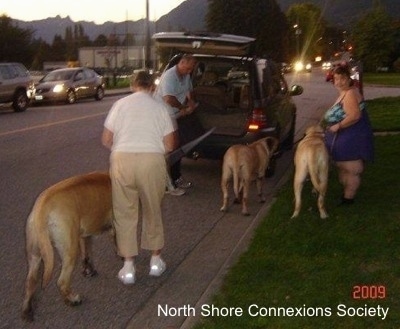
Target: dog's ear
[272,143]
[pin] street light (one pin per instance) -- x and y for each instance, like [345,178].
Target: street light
[297,32]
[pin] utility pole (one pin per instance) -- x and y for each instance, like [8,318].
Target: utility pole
[147,54]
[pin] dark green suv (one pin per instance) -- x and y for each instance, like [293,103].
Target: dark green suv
[243,97]
[16,86]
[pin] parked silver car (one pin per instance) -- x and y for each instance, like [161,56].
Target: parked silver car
[16,86]
[68,85]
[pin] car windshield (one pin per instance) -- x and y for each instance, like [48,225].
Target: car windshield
[58,76]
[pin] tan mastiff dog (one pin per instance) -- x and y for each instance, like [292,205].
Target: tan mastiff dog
[246,163]
[311,159]
[66,215]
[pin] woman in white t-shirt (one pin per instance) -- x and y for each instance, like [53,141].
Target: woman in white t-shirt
[138,131]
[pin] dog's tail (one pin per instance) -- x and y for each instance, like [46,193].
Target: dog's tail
[318,168]
[235,174]
[40,228]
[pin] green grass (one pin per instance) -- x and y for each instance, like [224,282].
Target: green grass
[310,263]
[120,83]
[390,79]
[384,113]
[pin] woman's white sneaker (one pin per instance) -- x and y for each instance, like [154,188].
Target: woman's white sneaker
[157,266]
[127,275]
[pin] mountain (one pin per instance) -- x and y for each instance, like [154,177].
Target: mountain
[190,15]
[49,27]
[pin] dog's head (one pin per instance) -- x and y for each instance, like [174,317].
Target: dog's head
[315,130]
[270,144]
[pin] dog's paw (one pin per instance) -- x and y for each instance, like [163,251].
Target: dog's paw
[27,315]
[89,272]
[323,216]
[73,300]
[88,269]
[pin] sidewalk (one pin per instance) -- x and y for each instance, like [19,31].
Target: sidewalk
[202,272]
[117,91]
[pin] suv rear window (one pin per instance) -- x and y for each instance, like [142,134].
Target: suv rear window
[11,71]
[211,71]
[20,70]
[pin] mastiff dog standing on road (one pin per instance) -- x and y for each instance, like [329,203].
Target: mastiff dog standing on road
[65,215]
[246,163]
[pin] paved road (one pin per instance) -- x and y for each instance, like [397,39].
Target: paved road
[46,144]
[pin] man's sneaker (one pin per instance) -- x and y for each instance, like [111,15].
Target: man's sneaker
[157,266]
[175,191]
[172,189]
[182,183]
[127,275]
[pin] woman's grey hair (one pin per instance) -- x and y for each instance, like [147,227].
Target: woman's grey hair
[142,79]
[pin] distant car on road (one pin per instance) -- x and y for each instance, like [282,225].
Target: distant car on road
[326,65]
[68,85]
[16,85]
[302,66]
[287,67]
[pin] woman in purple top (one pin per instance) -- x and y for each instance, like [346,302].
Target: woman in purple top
[349,136]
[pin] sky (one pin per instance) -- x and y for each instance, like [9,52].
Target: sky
[98,11]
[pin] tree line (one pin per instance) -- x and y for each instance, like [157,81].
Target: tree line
[301,32]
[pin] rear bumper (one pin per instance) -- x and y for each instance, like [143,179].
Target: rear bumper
[215,146]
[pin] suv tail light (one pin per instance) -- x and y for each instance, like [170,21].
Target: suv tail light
[257,120]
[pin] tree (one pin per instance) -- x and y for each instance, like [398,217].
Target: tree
[15,43]
[100,41]
[260,19]
[70,45]
[129,40]
[306,30]
[58,49]
[41,51]
[374,38]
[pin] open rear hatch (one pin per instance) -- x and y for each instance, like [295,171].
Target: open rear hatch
[205,43]
[220,79]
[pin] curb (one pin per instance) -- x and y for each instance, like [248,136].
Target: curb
[117,92]
[236,252]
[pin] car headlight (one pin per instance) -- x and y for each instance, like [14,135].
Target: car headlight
[58,88]
[298,66]
[308,66]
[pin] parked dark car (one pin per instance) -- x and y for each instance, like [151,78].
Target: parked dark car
[16,86]
[68,85]
[244,97]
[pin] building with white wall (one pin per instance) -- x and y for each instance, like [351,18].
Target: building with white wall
[115,57]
